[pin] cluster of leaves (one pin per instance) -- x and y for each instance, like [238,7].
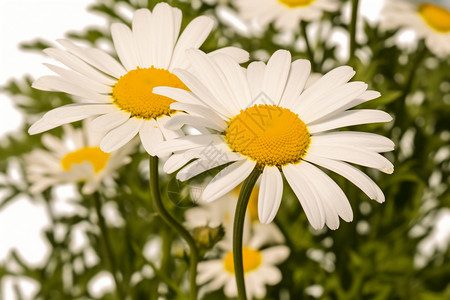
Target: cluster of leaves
[374,257]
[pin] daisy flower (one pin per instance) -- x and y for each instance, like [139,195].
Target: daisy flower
[286,14]
[430,21]
[74,158]
[262,117]
[259,267]
[120,94]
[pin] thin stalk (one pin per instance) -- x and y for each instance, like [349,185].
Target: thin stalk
[309,50]
[238,230]
[355,4]
[172,222]
[107,245]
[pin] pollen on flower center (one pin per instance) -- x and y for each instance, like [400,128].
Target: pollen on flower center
[435,16]
[251,258]
[296,3]
[268,134]
[93,155]
[133,92]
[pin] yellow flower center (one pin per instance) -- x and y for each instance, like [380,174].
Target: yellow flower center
[93,155]
[252,207]
[268,134]
[133,92]
[296,3]
[435,16]
[251,258]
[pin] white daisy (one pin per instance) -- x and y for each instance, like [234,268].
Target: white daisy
[259,267]
[286,14]
[121,93]
[262,117]
[430,21]
[74,158]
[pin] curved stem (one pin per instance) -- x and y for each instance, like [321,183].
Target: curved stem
[355,4]
[238,229]
[309,50]
[167,217]
[107,245]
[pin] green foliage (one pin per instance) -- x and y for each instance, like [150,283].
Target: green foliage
[374,257]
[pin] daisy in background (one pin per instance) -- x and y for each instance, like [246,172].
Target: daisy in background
[120,94]
[259,266]
[263,118]
[285,14]
[429,21]
[74,158]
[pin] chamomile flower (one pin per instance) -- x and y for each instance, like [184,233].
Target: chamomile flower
[429,21]
[120,94]
[263,118]
[76,157]
[259,266]
[286,14]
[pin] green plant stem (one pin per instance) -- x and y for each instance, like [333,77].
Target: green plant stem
[355,4]
[104,235]
[238,230]
[172,222]
[303,26]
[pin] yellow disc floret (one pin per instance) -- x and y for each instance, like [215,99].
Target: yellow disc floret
[93,155]
[251,258]
[133,92]
[436,17]
[296,3]
[268,134]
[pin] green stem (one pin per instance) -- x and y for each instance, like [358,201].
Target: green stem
[107,246]
[355,4]
[167,217]
[238,230]
[309,50]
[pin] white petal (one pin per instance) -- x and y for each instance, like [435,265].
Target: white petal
[201,165]
[255,76]
[329,81]
[298,75]
[275,255]
[209,74]
[162,34]
[193,36]
[237,54]
[142,25]
[124,45]
[180,95]
[201,111]
[276,74]
[354,155]
[81,80]
[228,179]
[121,135]
[168,134]
[67,114]
[349,118]
[234,79]
[109,121]
[188,142]
[332,101]
[359,178]
[176,122]
[331,194]
[78,65]
[370,141]
[270,193]
[151,136]
[174,162]
[202,92]
[310,202]
[59,84]
[96,58]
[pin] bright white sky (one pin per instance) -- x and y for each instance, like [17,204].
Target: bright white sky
[22,222]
